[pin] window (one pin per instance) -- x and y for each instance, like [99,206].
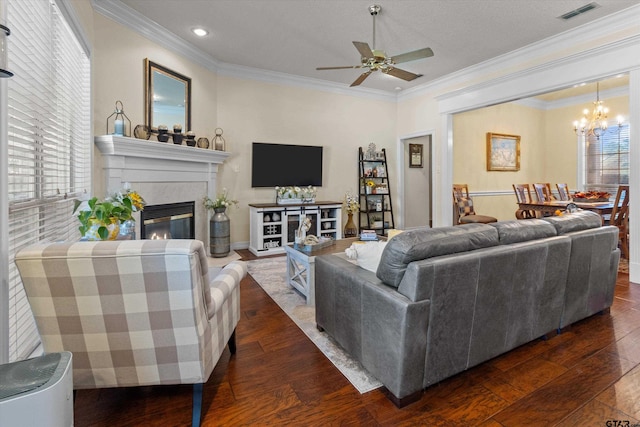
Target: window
[607,160]
[49,144]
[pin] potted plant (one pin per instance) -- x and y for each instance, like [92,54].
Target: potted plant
[102,219]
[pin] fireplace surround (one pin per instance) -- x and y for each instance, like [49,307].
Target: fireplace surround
[162,173]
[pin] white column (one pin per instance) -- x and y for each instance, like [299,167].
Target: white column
[4,218]
[634,176]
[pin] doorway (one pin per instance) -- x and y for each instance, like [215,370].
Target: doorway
[417,180]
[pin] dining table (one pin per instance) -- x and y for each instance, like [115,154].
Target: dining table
[549,208]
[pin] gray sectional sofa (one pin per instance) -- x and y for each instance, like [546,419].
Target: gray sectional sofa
[446,299]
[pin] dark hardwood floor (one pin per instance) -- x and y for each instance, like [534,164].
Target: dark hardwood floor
[585,376]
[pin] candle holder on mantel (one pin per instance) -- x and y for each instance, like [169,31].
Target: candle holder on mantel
[218,140]
[118,123]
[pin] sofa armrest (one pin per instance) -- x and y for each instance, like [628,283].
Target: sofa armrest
[374,323]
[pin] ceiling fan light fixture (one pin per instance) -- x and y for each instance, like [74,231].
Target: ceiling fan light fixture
[376,59]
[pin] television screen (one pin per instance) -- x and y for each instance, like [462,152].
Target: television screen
[282,165]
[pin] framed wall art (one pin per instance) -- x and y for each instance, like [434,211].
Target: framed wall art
[415,155]
[503,152]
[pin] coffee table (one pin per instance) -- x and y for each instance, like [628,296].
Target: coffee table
[301,269]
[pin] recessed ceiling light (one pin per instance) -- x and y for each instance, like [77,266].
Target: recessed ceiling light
[200,32]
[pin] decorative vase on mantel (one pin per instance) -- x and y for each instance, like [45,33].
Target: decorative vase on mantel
[350,229]
[219,233]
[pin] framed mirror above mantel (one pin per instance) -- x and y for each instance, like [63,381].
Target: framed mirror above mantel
[167,97]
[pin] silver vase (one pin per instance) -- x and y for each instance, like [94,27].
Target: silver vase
[219,234]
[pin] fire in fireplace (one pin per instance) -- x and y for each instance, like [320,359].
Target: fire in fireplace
[169,221]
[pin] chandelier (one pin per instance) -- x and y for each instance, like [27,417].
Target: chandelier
[597,124]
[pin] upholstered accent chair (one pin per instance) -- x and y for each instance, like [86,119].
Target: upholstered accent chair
[463,207]
[133,312]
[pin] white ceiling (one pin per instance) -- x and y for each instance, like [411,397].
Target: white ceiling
[296,36]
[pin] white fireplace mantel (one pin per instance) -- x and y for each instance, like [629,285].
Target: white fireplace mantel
[162,172]
[136,160]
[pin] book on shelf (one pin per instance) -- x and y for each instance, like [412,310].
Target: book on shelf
[368,235]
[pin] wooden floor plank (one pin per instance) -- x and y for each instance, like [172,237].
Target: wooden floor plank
[278,377]
[596,413]
[624,394]
[556,400]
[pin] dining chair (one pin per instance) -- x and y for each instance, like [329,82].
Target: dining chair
[620,218]
[542,191]
[563,191]
[463,206]
[133,312]
[523,195]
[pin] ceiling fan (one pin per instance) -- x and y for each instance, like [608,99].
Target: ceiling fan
[374,59]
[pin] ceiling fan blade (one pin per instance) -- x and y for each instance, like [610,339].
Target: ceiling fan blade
[412,56]
[339,68]
[361,78]
[402,74]
[364,49]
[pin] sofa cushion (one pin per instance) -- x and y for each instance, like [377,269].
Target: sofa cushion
[366,254]
[523,230]
[425,243]
[577,221]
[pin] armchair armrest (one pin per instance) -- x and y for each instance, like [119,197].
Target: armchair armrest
[223,284]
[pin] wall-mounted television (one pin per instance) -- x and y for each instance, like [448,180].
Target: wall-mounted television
[282,165]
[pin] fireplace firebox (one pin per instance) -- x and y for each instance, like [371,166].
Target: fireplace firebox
[168,221]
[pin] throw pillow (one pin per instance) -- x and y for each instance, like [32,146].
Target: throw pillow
[393,233]
[366,254]
[465,206]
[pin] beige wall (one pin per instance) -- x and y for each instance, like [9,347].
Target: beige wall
[252,111]
[470,153]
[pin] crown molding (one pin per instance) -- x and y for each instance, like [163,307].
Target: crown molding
[587,98]
[540,104]
[135,21]
[602,27]
[606,60]
[250,73]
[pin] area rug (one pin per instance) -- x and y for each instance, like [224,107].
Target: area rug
[270,273]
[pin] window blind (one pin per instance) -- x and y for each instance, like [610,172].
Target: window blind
[49,143]
[607,160]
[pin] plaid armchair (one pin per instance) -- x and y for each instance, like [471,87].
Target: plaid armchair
[133,313]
